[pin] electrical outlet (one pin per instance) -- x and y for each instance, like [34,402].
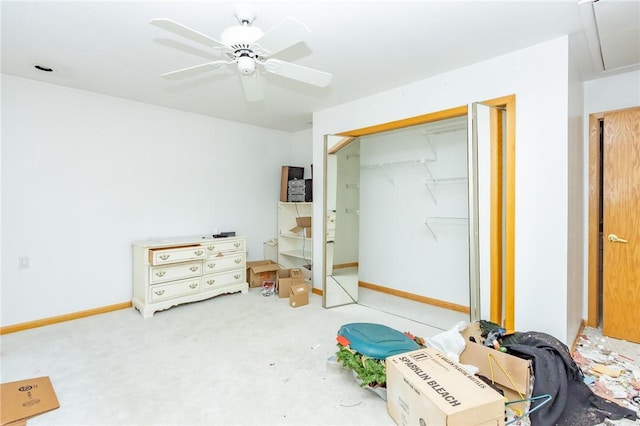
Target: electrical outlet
[23,262]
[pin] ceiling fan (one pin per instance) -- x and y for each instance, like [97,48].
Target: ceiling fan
[250,49]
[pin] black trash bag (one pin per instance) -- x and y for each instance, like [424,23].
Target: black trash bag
[555,373]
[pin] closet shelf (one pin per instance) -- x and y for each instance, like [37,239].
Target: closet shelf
[397,163]
[446,180]
[433,220]
[429,182]
[385,166]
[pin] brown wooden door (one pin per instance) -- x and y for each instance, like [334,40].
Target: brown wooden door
[621,225]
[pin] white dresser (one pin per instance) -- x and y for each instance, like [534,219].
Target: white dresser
[170,272]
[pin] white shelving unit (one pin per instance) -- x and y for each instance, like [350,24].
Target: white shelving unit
[294,248]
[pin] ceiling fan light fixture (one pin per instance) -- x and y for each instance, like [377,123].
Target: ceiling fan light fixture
[246,65]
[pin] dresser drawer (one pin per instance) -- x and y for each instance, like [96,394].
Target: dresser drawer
[162,256]
[174,289]
[223,245]
[222,279]
[159,274]
[223,261]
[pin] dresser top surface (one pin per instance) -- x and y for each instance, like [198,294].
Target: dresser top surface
[174,241]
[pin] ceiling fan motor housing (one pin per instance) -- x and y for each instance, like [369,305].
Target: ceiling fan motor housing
[240,36]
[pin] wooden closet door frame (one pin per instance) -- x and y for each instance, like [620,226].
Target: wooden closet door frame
[593,229]
[499,253]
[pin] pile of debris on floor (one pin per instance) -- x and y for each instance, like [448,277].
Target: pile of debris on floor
[536,378]
[609,373]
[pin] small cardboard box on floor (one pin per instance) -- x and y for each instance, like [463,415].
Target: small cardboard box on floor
[299,295]
[508,372]
[287,278]
[259,271]
[426,387]
[25,399]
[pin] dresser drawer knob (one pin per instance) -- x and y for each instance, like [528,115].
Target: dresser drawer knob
[159,292]
[237,276]
[236,245]
[211,248]
[238,260]
[198,252]
[211,265]
[194,285]
[210,282]
[160,273]
[164,256]
[193,268]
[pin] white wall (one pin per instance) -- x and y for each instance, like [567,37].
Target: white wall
[84,175]
[397,250]
[611,93]
[576,205]
[301,151]
[539,77]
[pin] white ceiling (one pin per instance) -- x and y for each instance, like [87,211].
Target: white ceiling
[109,47]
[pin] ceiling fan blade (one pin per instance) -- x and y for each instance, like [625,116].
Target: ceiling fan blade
[181,30]
[298,72]
[283,35]
[252,87]
[197,69]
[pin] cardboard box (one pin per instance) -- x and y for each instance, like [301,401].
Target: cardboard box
[303,223]
[25,399]
[425,387]
[261,270]
[289,173]
[493,365]
[286,279]
[298,295]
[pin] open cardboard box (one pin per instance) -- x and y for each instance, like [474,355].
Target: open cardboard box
[25,399]
[508,372]
[259,271]
[303,223]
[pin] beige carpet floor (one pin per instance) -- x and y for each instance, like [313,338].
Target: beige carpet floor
[235,359]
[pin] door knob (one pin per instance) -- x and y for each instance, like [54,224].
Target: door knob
[615,239]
